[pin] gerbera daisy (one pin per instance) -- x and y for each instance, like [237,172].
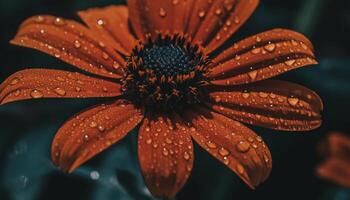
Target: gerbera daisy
[160,60]
[336,151]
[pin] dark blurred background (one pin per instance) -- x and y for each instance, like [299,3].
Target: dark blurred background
[27,128]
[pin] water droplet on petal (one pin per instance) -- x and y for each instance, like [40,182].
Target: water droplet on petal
[105,56]
[60,91]
[36,94]
[201,14]
[162,12]
[211,145]
[100,22]
[186,156]
[14,81]
[293,101]
[58,21]
[101,128]
[270,47]
[165,152]
[148,141]
[253,74]
[290,62]
[240,169]
[256,50]
[77,44]
[39,19]
[243,146]
[223,152]
[93,124]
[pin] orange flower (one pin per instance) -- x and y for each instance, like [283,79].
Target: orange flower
[336,167]
[160,60]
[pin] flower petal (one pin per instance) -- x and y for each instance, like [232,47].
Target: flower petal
[337,145]
[165,154]
[70,42]
[154,16]
[272,104]
[222,20]
[92,131]
[112,24]
[48,83]
[335,170]
[262,56]
[238,147]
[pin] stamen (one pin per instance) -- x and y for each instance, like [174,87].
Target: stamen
[167,73]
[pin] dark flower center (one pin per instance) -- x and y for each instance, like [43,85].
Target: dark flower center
[167,73]
[168,60]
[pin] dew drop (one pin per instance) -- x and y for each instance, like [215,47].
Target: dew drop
[60,91]
[186,156]
[290,62]
[218,11]
[224,152]
[293,101]
[240,169]
[78,89]
[258,39]
[253,74]
[148,141]
[165,152]
[101,128]
[39,19]
[58,21]
[36,94]
[100,22]
[93,124]
[105,56]
[162,12]
[14,81]
[270,47]
[211,145]
[263,94]
[94,175]
[256,50]
[243,146]
[77,44]
[201,14]
[86,137]
[226,161]
[245,95]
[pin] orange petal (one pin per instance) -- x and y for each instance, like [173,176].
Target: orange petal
[111,23]
[238,147]
[222,20]
[335,170]
[154,16]
[92,131]
[165,154]
[70,42]
[47,83]
[272,104]
[336,145]
[262,56]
